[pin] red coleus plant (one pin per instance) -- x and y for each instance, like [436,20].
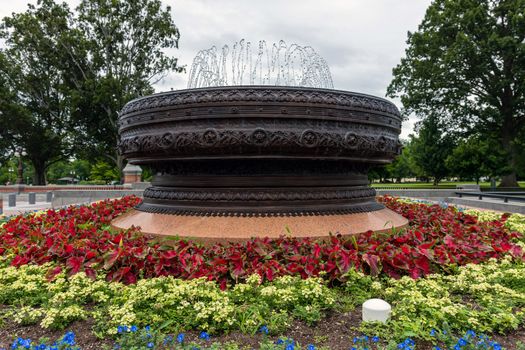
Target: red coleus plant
[79,239]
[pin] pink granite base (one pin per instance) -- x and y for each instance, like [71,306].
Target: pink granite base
[210,230]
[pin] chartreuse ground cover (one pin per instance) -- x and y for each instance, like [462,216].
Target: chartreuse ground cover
[452,279]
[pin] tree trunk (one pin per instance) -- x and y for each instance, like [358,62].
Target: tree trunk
[120,165]
[509,131]
[39,179]
[510,179]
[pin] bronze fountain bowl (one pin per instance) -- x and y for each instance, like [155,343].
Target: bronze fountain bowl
[259,151]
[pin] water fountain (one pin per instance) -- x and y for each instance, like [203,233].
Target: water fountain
[234,160]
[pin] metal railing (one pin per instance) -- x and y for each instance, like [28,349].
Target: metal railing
[514,196]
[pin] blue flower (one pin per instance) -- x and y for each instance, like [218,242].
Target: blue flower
[310,347]
[150,345]
[462,342]
[470,333]
[180,338]
[279,341]
[133,329]
[204,335]
[496,346]
[264,329]
[410,342]
[168,339]
[436,348]
[69,338]
[290,346]
[147,328]
[433,332]
[375,339]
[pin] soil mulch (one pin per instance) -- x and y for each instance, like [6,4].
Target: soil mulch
[336,332]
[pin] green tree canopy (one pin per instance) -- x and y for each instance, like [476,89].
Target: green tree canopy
[403,166]
[127,41]
[431,148]
[465,65]
[476,157]
[70,73]
[37,76]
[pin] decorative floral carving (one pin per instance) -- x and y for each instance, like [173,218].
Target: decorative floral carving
[352,140]
[166,140]
[309,138]
[210,137]
[241,141]
[266,94]
[258,195]
[259,137]
[260,212]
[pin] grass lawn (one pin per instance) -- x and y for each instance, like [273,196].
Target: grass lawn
[442,185]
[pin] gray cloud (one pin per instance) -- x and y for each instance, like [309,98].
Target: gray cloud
[362,40]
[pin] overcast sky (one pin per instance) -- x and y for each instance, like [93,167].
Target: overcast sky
[362,40]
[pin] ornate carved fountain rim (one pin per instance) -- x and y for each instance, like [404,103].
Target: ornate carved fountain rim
[256,94]
[259,122]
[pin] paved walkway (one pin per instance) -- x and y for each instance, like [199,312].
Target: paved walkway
[24,207]
[492,204]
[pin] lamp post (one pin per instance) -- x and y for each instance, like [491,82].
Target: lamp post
[20,152]
[73,177]
[11,171]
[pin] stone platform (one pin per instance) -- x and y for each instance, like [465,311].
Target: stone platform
[213,229]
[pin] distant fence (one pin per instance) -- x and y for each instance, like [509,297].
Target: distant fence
[25,189]
[449,187]
[505,196]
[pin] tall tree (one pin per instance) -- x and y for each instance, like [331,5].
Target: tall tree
[431,148]
[128,42]
[465,65]
[10,114]
[403,166]
[35,69]
[476,157]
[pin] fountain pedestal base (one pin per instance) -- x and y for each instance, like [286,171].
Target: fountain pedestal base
[222,229]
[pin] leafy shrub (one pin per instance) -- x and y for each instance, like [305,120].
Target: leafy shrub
[174,303]
[78,239]
[486,298]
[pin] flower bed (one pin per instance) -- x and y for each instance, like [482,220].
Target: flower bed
[487,298]
[78,239]
[447,272]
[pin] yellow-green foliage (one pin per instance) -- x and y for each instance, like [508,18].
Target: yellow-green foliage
[486,298]
[193,304]
[515,222]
